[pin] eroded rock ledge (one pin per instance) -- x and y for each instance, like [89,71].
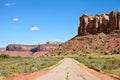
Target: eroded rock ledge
[49,46]
[99,23]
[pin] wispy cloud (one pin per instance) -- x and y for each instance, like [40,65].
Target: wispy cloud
[15,19]
[10,4]
[35,28]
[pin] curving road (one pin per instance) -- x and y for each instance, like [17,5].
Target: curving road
[69,70]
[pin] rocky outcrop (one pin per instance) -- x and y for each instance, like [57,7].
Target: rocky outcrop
[99,23]
[19,47]
[45,47]
[49,46]
[114,22]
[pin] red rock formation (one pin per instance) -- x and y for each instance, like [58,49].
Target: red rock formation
[114,23]
[33,48]
[19,47]
[46,47]
[99,23]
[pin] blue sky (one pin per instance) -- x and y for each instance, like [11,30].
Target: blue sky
[39,21]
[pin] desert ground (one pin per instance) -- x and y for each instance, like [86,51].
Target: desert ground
[68,69]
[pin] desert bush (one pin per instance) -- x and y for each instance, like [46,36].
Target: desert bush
[25,65]
[116,51]
[33,69]
[107,64]
[4,56]
[111,64]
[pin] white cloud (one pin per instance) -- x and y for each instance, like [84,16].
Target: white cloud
[35,28]
[9,4]
[15,19]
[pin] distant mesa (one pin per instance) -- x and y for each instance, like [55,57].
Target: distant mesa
[100,23]
[19,47]
[49,46]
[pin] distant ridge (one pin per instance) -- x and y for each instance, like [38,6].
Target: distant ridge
[29,50]
[49,46]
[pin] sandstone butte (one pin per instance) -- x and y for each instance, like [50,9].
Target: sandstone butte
[99,23]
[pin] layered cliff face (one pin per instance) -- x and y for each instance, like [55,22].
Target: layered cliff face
[45,47]
[49,46]
[99,23]
[19,47]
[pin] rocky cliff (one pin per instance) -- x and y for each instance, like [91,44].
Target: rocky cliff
[99,23]
[106,38]
[49,46]
[19,47]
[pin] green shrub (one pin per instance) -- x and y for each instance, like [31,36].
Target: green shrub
[106,63]
[111,64]
[25,65]
[4,56]
[34,69]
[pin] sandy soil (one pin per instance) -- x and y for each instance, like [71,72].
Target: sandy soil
[27,76]
[69,69]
